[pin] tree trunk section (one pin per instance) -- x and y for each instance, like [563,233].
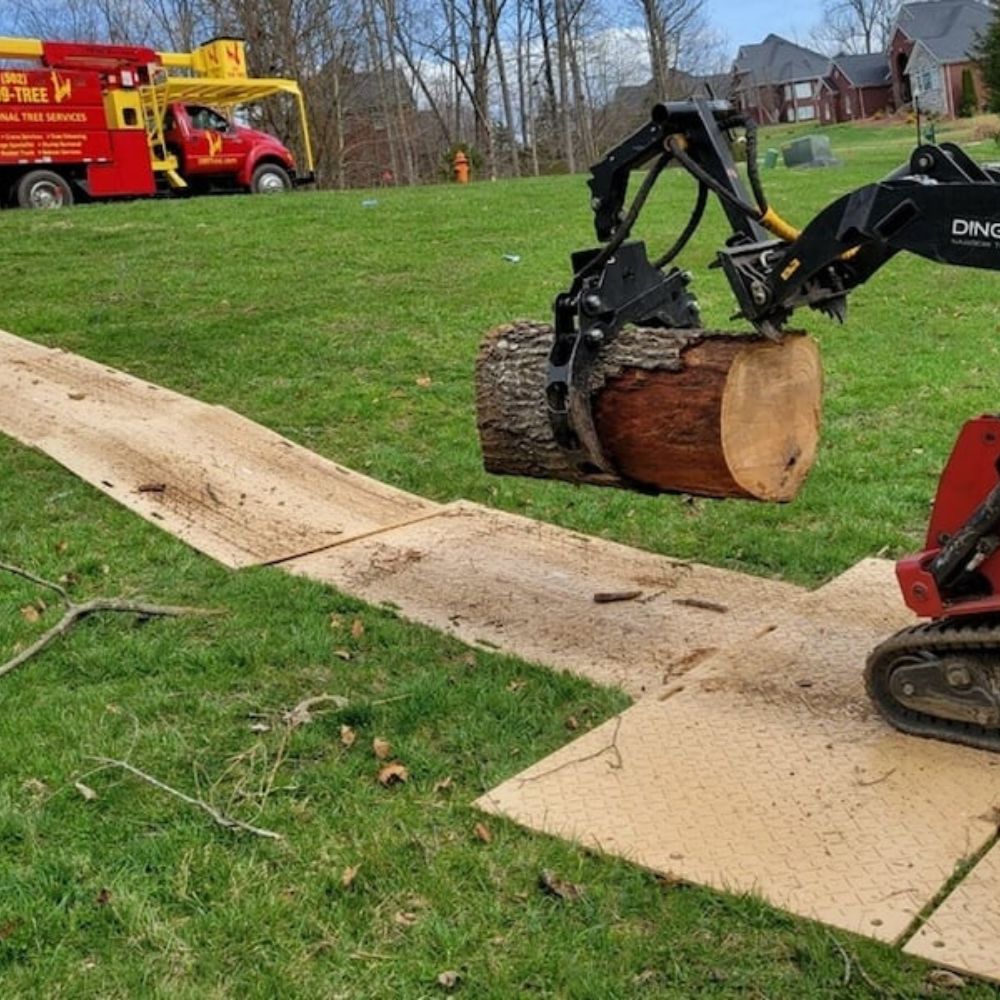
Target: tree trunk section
[676,411]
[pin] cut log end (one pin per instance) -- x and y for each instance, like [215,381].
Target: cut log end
[681,411]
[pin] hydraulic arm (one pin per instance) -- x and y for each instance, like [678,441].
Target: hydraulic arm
[940,679]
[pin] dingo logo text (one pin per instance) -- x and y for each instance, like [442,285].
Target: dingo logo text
[975,227]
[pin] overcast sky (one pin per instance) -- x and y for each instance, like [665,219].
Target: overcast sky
[746,21]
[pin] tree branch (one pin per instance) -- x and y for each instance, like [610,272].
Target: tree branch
[75,612]
[227,822]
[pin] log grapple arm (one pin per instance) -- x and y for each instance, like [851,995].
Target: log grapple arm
[940,204]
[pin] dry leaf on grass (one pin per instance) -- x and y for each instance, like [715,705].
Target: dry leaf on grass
[448,979]
[553,885]
[382,748]
[343,654]
[515,686]
[348,737]
[88,793]
[104,897]
[482,832]
[393,774]
[444,785]
[30,614]
[349,875]
[7,929]
[259,727]
[572,723]
[357,628]
[424,381]
[406,918]
[34,787]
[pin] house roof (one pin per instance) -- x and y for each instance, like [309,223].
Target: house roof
[864,70]
[641,97]
[947,28]
[777,60]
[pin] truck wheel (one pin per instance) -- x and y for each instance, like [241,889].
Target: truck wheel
[43,189]
[269,178]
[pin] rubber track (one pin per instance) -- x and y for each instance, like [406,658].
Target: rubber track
[974,635]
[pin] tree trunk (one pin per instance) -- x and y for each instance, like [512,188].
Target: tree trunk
[562,53]
[676,411]
[508,104]
[525,89]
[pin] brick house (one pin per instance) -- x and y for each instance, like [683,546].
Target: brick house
[779,81]
[929,50]
[861,84]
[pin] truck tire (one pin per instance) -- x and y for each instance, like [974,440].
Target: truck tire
[43,189]
[270,178]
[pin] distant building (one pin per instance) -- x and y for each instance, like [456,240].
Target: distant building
[779,81]
[860,85]
[930,48]
[636,100]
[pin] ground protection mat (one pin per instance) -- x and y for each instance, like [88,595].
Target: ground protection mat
[964,931]
[508,583]
[769,773]
[225,485]
[244,495]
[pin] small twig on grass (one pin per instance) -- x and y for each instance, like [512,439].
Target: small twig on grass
[76,612]
[227,822]
[845,957]
[878,990]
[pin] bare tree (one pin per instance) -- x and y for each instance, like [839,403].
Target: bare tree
[670,25]
[855,25]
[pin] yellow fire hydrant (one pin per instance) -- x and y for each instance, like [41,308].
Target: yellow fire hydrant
[461,168]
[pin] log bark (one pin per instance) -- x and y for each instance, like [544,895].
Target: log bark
[676,411]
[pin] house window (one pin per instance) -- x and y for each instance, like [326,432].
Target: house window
[926,81]
[805,113]
[804,90]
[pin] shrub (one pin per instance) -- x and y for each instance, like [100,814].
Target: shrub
[967,105]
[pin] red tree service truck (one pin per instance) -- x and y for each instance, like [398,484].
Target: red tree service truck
[81,120]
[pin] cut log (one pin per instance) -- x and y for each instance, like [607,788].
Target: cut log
[676,411]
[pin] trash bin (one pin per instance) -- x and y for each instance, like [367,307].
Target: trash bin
[771,159]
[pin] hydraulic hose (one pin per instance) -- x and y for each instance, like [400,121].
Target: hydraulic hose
[692,224]
[625,226]
[765,215]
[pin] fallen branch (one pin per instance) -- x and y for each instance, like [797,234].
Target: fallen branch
[76,612]
[227,822]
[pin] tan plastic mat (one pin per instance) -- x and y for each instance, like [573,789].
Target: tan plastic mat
[769,773]
[527,588]
[225,485]
[963,933]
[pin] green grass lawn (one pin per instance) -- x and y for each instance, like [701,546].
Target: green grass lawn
[322,318]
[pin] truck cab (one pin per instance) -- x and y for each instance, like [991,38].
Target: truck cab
[213,151]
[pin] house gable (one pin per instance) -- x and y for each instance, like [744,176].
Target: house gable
[947,28]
